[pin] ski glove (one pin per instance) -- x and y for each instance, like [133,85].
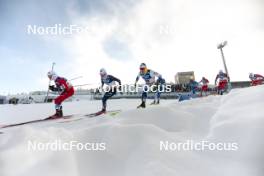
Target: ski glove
[51,88]
[54,89]
[160,81]
[119,87]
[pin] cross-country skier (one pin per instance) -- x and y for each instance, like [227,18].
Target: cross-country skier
[256,79]
[223,79]
[64,87]
[149,77]
[204,87]
[110,81]
[193,85]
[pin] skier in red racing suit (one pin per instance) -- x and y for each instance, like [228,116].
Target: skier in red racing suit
[223,81]
[63,86]
[256,79]
[204,87]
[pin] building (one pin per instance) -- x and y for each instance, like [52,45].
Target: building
[184,77]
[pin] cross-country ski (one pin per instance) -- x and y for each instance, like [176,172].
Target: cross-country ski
[35,121]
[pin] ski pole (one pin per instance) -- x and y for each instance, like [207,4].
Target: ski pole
[46,99]
[75,78]
[82,85]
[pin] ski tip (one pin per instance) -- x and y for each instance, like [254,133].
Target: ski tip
[99,113]
[58,117]
[2,126]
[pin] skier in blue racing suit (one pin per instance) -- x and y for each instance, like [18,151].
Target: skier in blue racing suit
[110,81]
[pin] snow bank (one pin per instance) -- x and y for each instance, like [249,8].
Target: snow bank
[133,137]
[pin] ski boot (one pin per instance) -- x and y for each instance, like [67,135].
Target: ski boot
[103,111]
[153,102]
[142,105]
[57,115]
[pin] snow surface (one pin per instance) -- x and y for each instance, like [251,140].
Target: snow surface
[133,138]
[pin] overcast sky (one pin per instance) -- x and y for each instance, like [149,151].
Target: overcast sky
[124,33]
